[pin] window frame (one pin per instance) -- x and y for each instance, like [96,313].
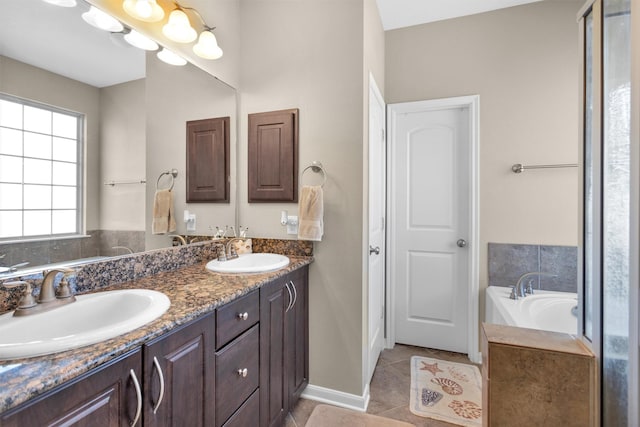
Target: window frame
[80,171]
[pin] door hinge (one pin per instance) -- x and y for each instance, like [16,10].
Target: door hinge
[382,134]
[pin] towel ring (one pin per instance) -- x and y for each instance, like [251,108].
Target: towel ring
[317,167]
[173,173]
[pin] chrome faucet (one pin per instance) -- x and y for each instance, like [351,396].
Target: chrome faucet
[48,298]
[519,291]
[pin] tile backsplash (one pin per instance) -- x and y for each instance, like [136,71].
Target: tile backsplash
[92,276]
[507,262]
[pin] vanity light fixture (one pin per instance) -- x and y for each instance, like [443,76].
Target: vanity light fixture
[143,10]
[179,28]
[136,39]
[62,3]
[165,55]
[97,18]
[207,46]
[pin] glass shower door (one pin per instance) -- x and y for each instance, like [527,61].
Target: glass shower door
[616,139]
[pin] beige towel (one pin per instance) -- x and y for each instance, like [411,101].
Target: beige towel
[311,211]
[163,219]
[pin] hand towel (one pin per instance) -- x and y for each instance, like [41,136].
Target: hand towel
[163,218]
[310,213]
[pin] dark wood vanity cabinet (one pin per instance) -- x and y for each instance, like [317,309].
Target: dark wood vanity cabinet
[297,345]
[105,397]
[174,376]
[284,345]
[243,365]
[179,376]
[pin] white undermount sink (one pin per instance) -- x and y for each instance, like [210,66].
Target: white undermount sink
[249,263]
[91,319]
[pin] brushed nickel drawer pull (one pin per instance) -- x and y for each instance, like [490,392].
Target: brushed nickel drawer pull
[136,385]
[157,366]
[243,316]
[290,298]
[243,372]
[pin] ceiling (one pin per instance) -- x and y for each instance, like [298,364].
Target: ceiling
[405,13]
[45,36]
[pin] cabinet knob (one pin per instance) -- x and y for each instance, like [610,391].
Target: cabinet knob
[243,316]
[243,372]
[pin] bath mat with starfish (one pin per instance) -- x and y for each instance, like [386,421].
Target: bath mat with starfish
[446,391]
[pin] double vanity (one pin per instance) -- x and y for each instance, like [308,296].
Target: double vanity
[231,349]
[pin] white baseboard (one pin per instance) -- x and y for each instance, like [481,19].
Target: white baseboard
[337,398]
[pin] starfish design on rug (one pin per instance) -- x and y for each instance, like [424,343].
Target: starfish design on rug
[431,367]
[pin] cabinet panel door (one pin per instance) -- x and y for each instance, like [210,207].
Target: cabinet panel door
[208,160]
[297,347]
[274,300]
[104,398]
[179,376]
[273,156]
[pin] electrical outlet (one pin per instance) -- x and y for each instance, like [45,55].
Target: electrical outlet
[292,224]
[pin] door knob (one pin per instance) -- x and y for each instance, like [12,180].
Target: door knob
[375,250]
[461,243]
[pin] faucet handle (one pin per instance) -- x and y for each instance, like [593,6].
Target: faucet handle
[27,300]
[514,294]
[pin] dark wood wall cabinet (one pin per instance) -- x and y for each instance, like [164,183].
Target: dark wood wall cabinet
[208,165]
[244,365]
[273,156]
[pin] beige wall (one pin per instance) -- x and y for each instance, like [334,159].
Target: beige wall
[26,81]
[308,54]
[175,95]
[523,62]
[122,155]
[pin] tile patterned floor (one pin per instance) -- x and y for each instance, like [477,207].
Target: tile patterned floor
[389,387]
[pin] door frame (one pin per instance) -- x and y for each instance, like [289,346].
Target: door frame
[472,103]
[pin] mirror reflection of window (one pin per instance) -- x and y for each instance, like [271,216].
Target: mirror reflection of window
[40,164]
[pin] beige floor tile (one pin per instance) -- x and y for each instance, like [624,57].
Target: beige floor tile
[389,387]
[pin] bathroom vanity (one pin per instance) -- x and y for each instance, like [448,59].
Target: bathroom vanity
[230,350]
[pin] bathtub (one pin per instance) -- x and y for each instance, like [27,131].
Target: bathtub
[546,310]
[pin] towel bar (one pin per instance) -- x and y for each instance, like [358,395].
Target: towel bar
[317,167]
[519,167]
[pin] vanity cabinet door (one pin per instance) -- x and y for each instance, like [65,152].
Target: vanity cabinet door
[179,376]
[274,301]
[106,397]
[297,346]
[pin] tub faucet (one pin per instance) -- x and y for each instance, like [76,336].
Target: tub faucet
[518,291]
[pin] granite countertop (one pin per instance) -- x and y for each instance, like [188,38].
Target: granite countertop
[193,292]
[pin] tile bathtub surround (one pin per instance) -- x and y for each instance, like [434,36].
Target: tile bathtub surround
[99,275]
[507,262]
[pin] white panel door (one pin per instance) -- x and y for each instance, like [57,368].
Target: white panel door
[430,198]
[377,208]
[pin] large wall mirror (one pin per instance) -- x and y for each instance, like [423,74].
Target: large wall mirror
[134,109]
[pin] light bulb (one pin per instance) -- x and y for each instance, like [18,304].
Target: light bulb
[97,18]
[179,28]
[136,39]
[207,46]
[165,55]
[143,10]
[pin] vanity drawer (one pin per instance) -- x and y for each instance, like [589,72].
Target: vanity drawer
[236,317]
[237,373]
[248,413]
